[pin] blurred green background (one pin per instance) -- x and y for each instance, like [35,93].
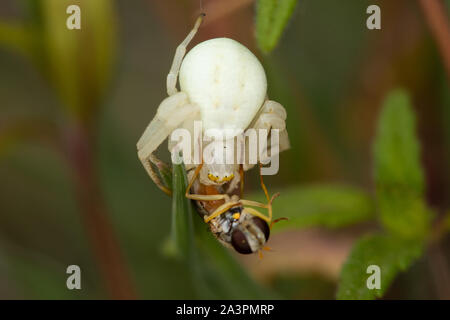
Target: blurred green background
[74,103]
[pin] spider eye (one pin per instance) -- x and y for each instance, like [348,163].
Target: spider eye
[263,226]
[239,242]
[228,178]
[213,177]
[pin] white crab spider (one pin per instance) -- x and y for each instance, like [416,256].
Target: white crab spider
[222,84]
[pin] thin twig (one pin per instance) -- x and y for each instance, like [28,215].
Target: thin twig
[435,13]
[439,270]
[437,260]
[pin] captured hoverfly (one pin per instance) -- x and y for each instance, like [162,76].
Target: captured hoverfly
[232,220]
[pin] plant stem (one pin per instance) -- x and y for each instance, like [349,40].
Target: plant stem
[439,271]
[79,145]
[438,22]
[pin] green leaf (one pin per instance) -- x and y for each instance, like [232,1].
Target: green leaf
[392,255]
[79,79]
[215,273]
[165,174]
[272,17]
[32,275]
[398,172]
[182,237]
[447,4]
[331,206]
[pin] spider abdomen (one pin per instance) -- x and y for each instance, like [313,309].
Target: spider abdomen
[226,81]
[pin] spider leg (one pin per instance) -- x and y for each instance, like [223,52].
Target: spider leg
[170,114]
[241,174]
[147,163]
[179,55]
[263,186]
[196,172]
[271,116]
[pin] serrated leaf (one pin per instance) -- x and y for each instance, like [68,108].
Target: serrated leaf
[331,206]
[392,255]
[272,17]
[398,172]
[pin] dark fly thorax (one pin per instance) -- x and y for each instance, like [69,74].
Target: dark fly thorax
[223,226]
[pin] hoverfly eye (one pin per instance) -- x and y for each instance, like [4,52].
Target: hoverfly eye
[239,242]
[263,226]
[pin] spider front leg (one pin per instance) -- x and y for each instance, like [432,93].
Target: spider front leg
[172,112]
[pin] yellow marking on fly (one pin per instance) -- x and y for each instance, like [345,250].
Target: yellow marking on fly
[236,216]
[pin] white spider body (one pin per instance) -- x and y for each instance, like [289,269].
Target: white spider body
[226,81]
[222,84]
